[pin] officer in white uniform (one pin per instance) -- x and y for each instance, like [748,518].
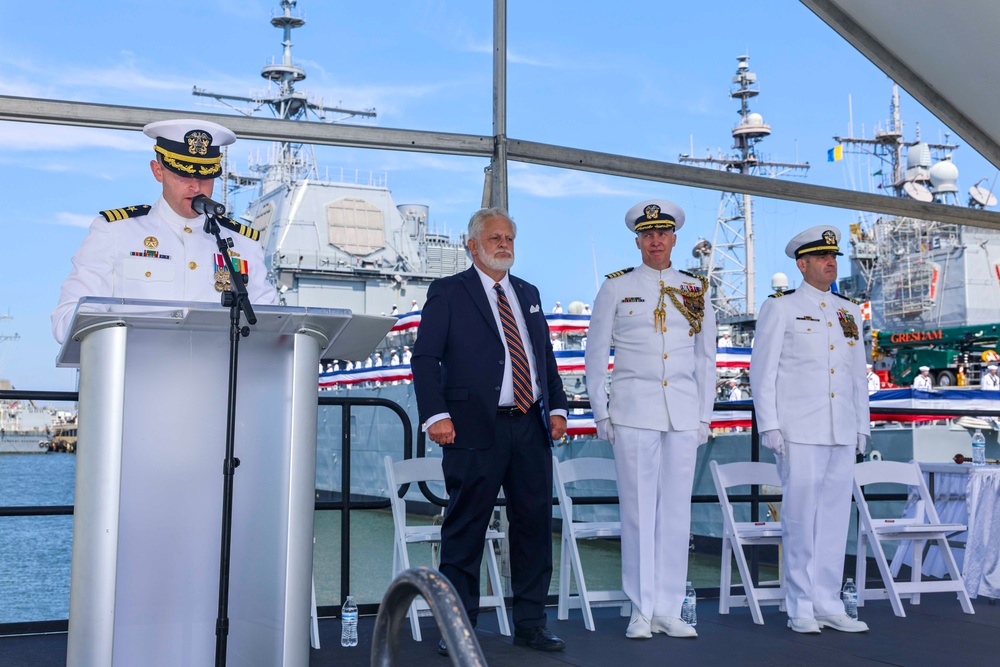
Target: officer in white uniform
[990,380]
[874,381]
[923,381]
[662,326]
[807,373]
[161,251]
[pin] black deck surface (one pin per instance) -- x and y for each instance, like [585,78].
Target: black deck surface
[934,633]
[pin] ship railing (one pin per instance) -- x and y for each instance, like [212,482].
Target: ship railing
[346,504]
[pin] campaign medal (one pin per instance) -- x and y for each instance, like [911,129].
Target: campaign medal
[848,324]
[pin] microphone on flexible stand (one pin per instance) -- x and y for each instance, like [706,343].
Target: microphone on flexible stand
[203,205]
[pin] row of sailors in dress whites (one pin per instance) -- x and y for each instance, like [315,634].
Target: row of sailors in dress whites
[990,381]
[373,361]
[557,309]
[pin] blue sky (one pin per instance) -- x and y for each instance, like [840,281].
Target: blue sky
[649,79]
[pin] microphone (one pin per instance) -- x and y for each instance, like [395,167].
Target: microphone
[202,204]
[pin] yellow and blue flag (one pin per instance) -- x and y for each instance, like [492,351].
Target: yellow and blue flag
[835,154]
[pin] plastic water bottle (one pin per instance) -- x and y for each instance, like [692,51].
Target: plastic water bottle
[978,448]
[689,608]
[850,597]
[349,623]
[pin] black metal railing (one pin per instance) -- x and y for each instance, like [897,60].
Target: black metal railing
[346,504]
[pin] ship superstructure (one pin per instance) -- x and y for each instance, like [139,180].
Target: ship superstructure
[337,238]
[921,273]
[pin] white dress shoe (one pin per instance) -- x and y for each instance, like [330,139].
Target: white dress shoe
[638,627]
[807,626]
[842,622]
[673,626]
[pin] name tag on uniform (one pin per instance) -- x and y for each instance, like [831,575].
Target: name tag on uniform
[633,299]
[807,318]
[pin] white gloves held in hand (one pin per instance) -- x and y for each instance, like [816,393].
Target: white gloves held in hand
[702,433]
[605,431]
[774,441]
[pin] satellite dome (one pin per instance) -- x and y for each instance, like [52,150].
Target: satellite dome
[575,308]
[944,176]
[779,282]
[755,119]
[919,155]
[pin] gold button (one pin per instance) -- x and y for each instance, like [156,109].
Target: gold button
[831,371]
[630,312]
[831,347]
[831,394]
[823,303]
[829,324]
[192,265]
[664,356]
[809,329]
[664,383]
[148,274]
[187,230]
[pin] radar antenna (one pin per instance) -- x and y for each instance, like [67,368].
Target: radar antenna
[731,263]
[291,162]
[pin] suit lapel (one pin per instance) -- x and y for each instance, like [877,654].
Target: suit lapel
[474,285]
[524,301]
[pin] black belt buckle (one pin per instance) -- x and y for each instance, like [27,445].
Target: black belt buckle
[509,411]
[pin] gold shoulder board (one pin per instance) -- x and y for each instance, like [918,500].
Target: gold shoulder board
[115,214]
[617,274]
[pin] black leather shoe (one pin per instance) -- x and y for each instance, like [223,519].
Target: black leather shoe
[442,648]
[538,638]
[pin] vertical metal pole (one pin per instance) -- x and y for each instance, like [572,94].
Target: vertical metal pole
[345,494]
[498,165]
[748,247]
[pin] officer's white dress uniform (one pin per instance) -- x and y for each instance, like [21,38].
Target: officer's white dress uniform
[115,260]
[151,252]
[662,390]
[807,373]
[990,381]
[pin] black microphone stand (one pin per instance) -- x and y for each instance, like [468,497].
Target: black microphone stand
[236,299]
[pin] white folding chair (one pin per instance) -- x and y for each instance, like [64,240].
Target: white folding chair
[411,471]
[923,527]
[569,472]
[739,534]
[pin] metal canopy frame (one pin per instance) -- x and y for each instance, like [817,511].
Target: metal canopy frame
[500,149]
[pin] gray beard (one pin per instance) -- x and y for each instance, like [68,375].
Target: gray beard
[498,264]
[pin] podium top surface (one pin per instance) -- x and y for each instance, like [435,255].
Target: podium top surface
[342,335]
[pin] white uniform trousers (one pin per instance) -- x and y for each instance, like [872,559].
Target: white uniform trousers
[655,476]
[815,516]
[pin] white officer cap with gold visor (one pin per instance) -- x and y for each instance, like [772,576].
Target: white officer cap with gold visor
[190,147]
[654,214]
[814,241]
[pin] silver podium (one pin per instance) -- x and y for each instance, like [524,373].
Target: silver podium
[149,479]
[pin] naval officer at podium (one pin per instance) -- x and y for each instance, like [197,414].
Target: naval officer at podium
[161,251]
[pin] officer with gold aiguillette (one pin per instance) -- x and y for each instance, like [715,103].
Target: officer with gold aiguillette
[807,373]
[661,324]
[161,251]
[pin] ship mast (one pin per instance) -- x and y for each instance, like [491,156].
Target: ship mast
[291,161]
[731,262]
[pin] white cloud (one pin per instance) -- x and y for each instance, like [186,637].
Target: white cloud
[73,220]
[555,184]
[40,137]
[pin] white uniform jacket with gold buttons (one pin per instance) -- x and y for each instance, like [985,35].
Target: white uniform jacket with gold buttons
[807,369]
[661,380]
[151,257]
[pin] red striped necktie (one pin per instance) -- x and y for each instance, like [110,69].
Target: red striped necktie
[520,371]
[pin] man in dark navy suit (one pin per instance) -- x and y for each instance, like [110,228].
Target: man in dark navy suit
[489,393]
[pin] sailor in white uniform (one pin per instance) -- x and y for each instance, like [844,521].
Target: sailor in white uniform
[161,251]
[662,326]
[990,380]
[923,381]
[874,381]
[807,373]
